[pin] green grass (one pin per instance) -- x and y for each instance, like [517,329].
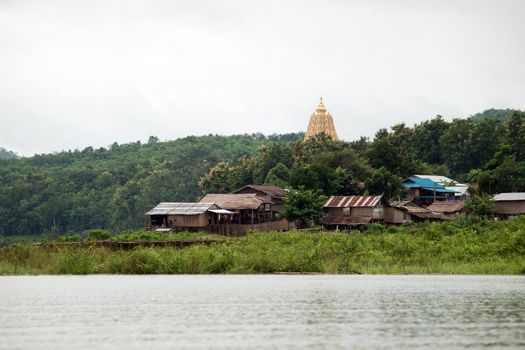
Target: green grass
[462,246]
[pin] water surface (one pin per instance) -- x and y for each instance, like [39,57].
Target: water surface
[262,311]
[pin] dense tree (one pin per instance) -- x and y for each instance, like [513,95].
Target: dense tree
[279,175]
[303,205]
[386,183]
[315,177]
[426,140]
[481,206]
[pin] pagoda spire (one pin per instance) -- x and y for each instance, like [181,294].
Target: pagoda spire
[321,122]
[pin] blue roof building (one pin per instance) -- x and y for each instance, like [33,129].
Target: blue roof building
[425,191]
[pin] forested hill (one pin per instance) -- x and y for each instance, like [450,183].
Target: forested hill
[112,187]
[5,154]
[499,114]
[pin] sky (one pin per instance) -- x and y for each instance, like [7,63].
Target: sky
[89,73]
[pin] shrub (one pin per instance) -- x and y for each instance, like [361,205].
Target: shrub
[97,234]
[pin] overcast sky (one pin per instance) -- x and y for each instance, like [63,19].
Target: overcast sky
[89,73]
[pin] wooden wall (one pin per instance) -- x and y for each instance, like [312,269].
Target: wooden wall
[394,216]
[510,207]
[199,220]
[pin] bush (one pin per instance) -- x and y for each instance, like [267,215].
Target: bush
[97,234]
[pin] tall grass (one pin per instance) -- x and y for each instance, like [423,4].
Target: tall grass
[456,247]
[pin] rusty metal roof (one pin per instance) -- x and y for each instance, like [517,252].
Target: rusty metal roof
[352,201]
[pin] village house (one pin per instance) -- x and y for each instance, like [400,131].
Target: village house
[176,216]
[399,212]
[352,211]
[509,204]
[250,212]
[461,189]
[424,191]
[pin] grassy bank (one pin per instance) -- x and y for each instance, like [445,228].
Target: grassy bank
[459,247]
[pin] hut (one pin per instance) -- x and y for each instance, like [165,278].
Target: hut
[425,191]
[461,189]
[352,211]
[399,212]
[448,208]
[509,204]
[177,216]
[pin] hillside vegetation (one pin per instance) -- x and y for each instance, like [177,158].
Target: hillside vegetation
[5,154]
[112,188]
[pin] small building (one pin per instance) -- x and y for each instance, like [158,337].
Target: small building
[274,194]
[448,208]
[509,204]
[352,211]
[424,191]
[399,212]
[177,216]
[450,184]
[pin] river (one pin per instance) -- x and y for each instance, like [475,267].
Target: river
[261,311]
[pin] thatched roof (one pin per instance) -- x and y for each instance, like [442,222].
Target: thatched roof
[273,191]
[234,201]
[446,206]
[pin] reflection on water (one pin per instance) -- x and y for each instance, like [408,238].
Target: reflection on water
[325,312]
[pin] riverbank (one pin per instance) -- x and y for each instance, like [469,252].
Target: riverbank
[457,247]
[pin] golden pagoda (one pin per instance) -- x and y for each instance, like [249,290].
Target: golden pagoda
[321,122]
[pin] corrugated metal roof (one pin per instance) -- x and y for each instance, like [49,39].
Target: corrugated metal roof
[427,184]
[510,196]
[235,201]
[459,187]
[352,201]
[181,208]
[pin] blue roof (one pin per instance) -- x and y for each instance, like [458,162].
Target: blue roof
[427,184]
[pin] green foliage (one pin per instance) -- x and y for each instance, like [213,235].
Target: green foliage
[98,234]
[303,205]
[112,188]
[279,175]
[315,177]
[384,182]
[481,205]
[501,115]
